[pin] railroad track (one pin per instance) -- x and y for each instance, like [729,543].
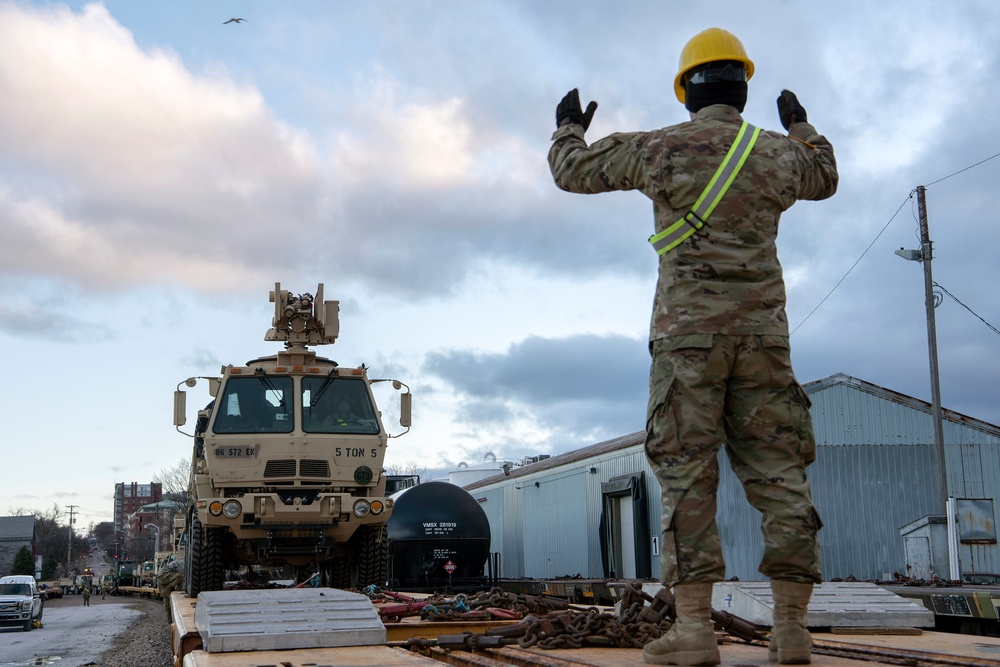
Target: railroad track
[747,654]
[895,656]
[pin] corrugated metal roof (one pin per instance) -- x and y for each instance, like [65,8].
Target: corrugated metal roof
[817,386]
[561,460]
[901,428]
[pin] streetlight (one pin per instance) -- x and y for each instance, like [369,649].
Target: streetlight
[156,548]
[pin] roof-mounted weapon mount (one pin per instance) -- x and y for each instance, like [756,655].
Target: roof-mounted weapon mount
[301,320]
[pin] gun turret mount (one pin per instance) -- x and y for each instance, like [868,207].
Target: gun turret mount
[300,320]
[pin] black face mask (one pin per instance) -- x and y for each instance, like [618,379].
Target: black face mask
[697,96]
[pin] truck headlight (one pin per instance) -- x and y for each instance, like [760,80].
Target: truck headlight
[377,507]
[232,509]
[215,508]
[26,605]
[362,508]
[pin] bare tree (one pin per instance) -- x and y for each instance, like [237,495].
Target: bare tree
[408,468]
[175,479]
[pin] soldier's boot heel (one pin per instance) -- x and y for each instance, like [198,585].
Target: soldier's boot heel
[791,643]
[691,639]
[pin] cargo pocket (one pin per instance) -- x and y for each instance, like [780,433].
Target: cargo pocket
[802,422]
[661,418]
[663,412]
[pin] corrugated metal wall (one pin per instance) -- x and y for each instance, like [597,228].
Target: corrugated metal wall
[874,473]
[863,494]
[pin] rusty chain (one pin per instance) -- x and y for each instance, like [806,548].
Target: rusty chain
[552,623]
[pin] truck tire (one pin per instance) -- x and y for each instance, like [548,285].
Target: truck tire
[372,555]
[188,557]
[340,573]
[28,625]
[204,559]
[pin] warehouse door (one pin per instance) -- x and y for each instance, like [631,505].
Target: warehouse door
[623,537]
[625,550]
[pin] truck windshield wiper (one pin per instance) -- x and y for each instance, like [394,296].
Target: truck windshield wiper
[266,381]
[322,388]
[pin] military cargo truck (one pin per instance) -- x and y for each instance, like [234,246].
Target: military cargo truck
[286,465]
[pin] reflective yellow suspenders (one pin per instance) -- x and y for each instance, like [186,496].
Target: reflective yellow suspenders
[695,219]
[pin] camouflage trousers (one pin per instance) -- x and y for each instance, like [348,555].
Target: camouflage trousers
[738,392]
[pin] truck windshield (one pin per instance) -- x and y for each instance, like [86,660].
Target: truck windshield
[337,405]
[15,589]
[255,405]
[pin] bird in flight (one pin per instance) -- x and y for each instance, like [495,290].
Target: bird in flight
[233,21]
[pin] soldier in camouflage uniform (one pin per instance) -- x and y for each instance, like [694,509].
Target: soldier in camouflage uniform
[721,373]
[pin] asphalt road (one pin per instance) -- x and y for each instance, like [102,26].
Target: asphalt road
[71,635]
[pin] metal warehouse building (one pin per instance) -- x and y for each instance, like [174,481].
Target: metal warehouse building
[596,511]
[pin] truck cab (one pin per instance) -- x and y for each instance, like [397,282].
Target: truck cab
[20,602]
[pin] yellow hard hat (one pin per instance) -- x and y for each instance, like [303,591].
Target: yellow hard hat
[706,47]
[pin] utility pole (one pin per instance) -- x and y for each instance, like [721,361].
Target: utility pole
[69,551]
[925,255]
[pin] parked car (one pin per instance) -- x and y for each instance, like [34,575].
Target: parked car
[20,602]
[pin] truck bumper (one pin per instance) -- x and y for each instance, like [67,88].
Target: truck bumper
[279,527]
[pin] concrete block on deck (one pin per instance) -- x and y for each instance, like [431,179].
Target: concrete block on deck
[833,605]
[255,620]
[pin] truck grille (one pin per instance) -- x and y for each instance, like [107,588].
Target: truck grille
[313,468]
[280,468]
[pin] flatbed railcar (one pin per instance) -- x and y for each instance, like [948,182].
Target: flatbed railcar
[968,609]
[916,648]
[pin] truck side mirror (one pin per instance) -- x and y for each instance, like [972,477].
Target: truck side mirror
[405,409]
[180,408]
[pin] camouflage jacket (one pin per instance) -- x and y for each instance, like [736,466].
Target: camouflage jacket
[725,279]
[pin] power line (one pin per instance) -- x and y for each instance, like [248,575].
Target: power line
[877,236]
[886,226]
[971,166]
[942,288]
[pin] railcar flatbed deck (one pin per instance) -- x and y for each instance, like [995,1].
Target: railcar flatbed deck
[866,649]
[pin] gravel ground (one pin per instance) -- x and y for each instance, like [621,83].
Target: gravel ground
[146,643]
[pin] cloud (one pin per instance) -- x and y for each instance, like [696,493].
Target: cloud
[201,358]
[148,173]
[578,388]
[38,310]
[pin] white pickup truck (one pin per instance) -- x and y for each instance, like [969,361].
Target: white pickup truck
[20,602]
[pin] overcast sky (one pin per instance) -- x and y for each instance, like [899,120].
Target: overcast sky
[160,171]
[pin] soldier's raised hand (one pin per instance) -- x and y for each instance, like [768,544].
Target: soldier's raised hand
[789,109]
[569,110]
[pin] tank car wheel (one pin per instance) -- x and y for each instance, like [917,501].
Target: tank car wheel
[204,559]
[372,555]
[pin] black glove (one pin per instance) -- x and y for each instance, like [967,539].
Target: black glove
[569,111]
[789,109]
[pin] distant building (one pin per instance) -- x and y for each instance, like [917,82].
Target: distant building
[596,511]
[15,532]
[129,498]
[160,514]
